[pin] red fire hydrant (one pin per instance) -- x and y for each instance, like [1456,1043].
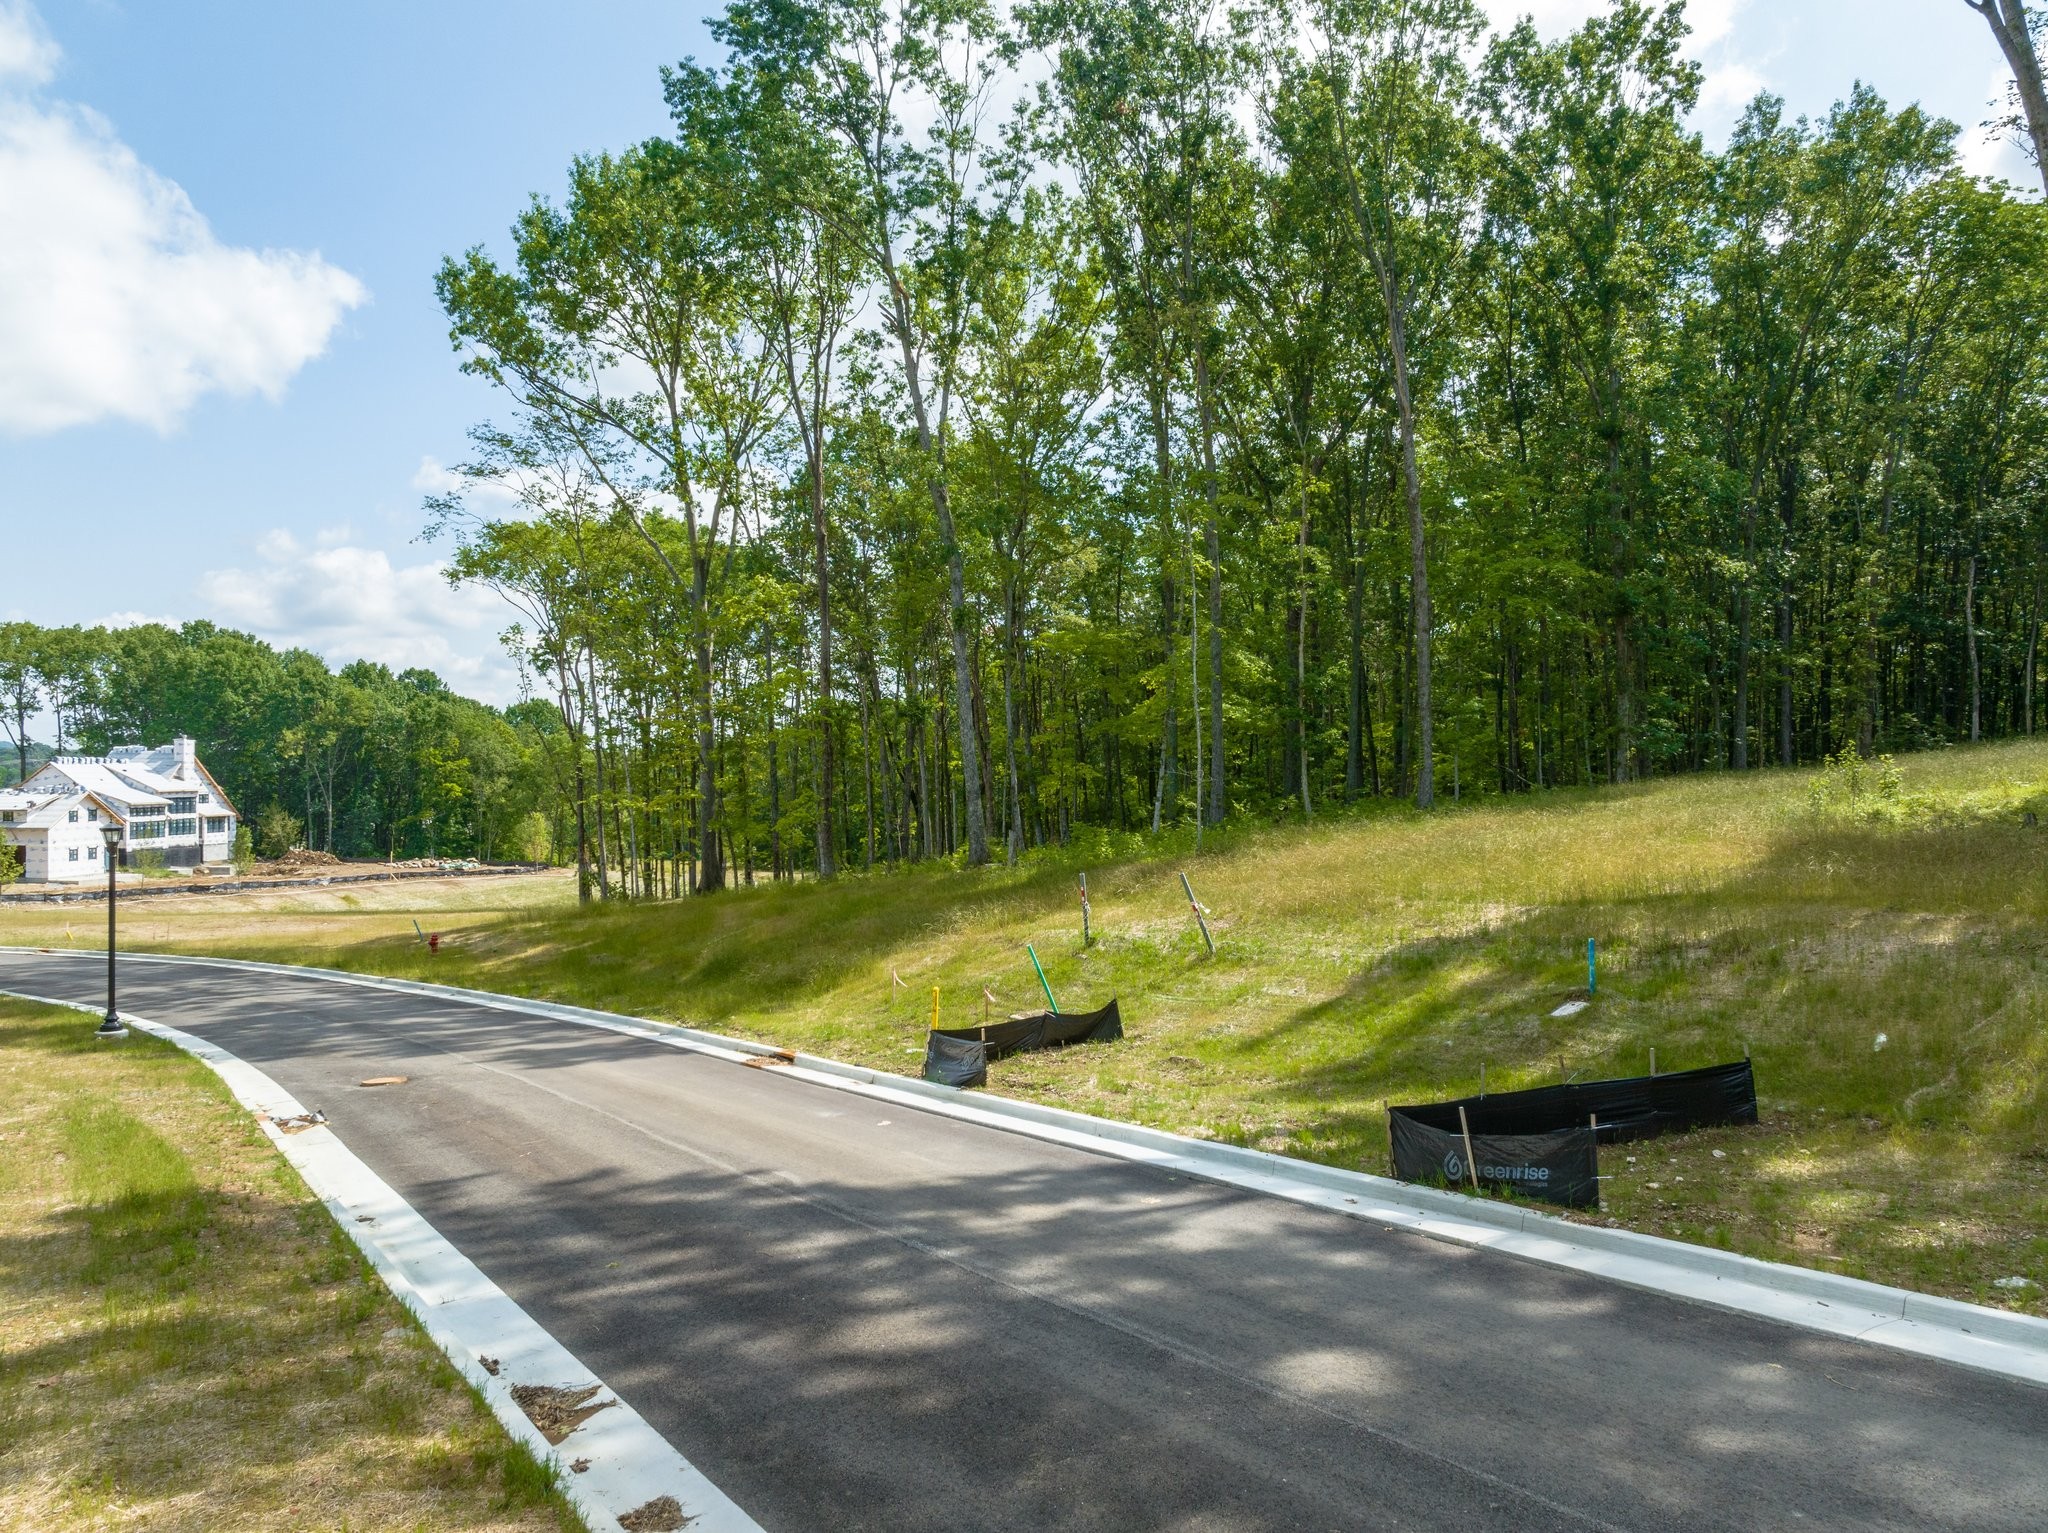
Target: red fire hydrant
[433,942]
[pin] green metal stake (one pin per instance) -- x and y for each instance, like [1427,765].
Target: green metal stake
[422,936]
[1055,1005]
[1592,969]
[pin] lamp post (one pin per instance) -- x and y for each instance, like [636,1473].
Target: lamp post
[111,1025]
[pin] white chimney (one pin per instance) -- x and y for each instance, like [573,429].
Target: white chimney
[186,751]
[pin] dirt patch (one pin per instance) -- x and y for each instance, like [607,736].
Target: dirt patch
[763,1061]
[558,1411]
[664,1514]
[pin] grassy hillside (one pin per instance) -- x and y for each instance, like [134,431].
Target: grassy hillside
[1878,947]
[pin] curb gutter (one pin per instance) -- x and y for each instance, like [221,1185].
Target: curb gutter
[1945,1330]
[469,1317]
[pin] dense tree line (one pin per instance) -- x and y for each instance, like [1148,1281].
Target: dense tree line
[970,424]
[359,762]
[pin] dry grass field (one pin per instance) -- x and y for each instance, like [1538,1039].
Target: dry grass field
[1878,946]
[186,1341]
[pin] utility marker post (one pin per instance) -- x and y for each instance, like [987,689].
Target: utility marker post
[1049,1001]
[935,1008]
[1592,967]
[1196,906]
[1087,936]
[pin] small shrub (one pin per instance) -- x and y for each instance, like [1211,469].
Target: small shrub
[1849,786]
[532,841]
[277,830]
[244,854]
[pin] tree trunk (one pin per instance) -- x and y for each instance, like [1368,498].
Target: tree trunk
[1219,795]
[1970,636]
[956,570]
[827,865]
[1418,554]
[2008,22]
[2033,645]
[1784,677]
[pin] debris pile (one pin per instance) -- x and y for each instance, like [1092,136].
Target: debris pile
[661,1515]
[558,1411]
[297,860]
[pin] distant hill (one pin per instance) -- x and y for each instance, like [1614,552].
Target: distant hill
[10,761]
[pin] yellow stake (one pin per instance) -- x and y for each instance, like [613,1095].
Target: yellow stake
[935,1008]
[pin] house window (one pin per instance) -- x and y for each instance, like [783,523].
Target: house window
[93,815]
[151,830]
[183,827]
[206,798]
[92,854]
[216,825]
[72,816]
[74,854]
[182,805]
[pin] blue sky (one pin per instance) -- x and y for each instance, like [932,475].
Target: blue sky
[224,382]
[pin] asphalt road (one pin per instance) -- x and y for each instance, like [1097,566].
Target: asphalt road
[854,1316]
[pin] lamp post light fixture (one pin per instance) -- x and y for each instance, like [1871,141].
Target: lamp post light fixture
[111,1025]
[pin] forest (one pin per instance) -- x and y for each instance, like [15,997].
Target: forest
[360,762]
[971,424]
[969,427]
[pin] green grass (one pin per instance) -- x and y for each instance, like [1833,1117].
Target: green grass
[1383,955]
[187,1342]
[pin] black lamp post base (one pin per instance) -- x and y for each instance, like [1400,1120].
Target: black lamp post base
[110,1027]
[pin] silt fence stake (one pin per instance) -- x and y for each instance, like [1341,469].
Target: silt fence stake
[1653,1059]
[1087,936]
[935,1008]
[1482,1077]
[1471,1165]
[1196,906]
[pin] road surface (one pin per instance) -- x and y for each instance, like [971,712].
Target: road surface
[854,1316]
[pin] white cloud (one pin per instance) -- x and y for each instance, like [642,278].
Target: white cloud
[1989,151]
[132,619]
[347,602]
[1710,20]
[495,497]
[27,52]
[1553,18]
[116,300]
[1725,89]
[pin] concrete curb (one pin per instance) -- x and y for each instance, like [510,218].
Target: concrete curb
[1946,1330]
[468,1316]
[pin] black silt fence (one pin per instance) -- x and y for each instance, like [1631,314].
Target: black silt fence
[1639,1107]
[1558,1167]
[1541,1142]
[959,1056]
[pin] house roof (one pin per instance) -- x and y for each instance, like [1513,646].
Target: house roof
[100,777]
[138,775]
[40,811]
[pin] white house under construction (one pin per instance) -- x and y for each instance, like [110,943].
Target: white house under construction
[163,799]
